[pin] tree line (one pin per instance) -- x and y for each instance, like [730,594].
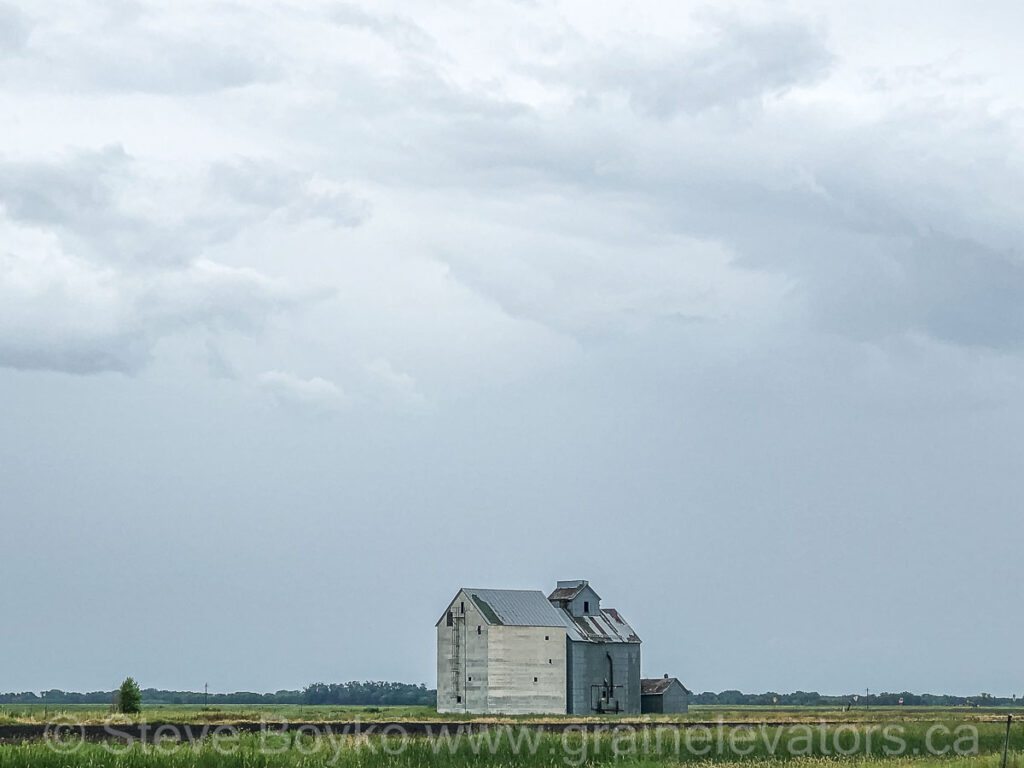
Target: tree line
[381,693]
[884,699]
[366,693]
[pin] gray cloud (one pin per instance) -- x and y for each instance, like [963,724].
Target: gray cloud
[69,192]
[89,198]
[399,31]
[740,62]
[180,66]
[950,289]
[58,312]
[14,30]
[393,386]
[93,281]
[316,392]
[821,211]
[123,47]
[261,184]
[265,186]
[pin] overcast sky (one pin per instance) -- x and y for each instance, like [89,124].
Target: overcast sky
[312,313]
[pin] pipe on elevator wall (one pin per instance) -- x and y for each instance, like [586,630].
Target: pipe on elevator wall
[611,675]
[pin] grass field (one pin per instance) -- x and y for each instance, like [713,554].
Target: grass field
[796,738]
[229,713]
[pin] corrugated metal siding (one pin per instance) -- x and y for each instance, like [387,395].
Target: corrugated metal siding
[530,608]
[588,670]
[650,704]
[666,696]
[585,602]
[674,700]
[609,627]
[518,607]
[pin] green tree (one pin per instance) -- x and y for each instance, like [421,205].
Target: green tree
[129,697]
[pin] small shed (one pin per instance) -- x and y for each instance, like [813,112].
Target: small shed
[663,696]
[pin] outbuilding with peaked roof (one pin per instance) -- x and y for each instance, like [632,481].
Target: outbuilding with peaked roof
[663,695]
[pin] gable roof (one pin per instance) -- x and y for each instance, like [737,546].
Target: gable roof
[567,590]
[656,686]
[606,627]
[515,607]
[529,608]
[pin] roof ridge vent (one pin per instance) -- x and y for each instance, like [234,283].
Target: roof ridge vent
[571,583]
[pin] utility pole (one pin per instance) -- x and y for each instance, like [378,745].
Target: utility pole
[867,698]
[1006,744]
[206,694]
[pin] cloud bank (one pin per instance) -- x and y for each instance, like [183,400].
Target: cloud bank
[355,289]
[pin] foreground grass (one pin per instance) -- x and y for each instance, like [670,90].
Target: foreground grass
[138,759]
[962,745]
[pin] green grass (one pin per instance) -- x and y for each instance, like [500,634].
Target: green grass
[249,753]
[797,745]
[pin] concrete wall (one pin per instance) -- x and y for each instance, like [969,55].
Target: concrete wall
[498,664]
[471,676]
[588,667]
[526,670]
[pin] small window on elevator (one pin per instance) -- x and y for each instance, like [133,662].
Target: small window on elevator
[586,606]
[478,629]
